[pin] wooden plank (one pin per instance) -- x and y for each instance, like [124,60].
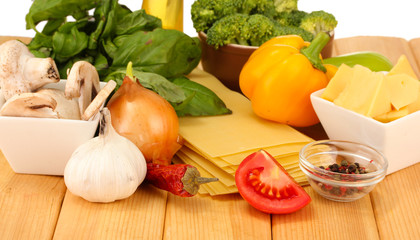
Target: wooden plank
[25,40]
[29,204]
[397,206]
[140,216]
[325,219]
[214,218]
[415,49]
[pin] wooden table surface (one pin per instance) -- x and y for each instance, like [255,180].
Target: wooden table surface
[40,207]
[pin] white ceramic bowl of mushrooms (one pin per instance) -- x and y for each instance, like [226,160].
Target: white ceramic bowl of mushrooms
[44,119]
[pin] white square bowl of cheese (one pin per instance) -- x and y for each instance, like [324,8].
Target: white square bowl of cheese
[398,140]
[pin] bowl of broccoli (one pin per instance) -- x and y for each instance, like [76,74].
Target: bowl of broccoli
[230,30]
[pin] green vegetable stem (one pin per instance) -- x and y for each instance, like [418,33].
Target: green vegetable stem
[314,49]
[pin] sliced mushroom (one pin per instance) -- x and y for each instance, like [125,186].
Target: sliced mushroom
[83,83]
[66,108]
[21,71]
[30,105]
[99,100]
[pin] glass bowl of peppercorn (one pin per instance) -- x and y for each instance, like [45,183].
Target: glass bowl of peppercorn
[340,170]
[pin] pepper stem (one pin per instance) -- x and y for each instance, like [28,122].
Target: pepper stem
[202,180]
[192,180]
[314,49]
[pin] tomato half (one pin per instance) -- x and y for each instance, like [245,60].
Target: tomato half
[266,185]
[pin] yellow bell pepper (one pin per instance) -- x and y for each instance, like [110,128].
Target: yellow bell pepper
[331,70]
[281,74]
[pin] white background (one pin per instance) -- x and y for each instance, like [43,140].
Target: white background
[355,17]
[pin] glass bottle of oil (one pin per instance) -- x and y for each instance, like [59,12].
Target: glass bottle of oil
[169,11]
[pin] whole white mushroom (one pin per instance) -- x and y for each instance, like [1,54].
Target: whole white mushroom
[22,72]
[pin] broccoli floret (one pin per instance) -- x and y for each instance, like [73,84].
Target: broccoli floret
[243,29]
[318,21]
[204,13]
[286,5]
[228,30]
[290,18]
[259,29]
[264,7]
[292,30]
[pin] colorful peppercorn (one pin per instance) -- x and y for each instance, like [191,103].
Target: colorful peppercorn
[346,168]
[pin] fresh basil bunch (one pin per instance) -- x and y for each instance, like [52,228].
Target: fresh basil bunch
[109,35]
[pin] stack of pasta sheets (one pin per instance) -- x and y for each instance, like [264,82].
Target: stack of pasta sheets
[216,145]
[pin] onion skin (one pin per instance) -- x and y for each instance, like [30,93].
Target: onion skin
[147,119]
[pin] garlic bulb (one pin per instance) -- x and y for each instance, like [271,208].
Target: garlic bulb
[105,168]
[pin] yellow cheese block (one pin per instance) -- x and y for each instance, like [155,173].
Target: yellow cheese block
[235,133]
[337,83]
[382,97]
[365,93]
[403,89]
[415,106]
[403,66]
[393,115]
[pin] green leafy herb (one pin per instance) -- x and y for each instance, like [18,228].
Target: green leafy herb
[169,53]
[159,84]
[200,100]
[113,36]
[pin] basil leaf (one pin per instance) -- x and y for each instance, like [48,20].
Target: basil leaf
[109,47]
[137,21]
[52,26]
[41,43]
[69,42]
[204,101]
[104,17]
[69,63]
[161,85]
[101,64]
[169,53]
[155,82]
[42,10]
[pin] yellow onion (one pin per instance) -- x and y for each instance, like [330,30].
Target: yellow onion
[147,119]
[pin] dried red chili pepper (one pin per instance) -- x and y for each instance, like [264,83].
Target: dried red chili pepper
[180,179]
